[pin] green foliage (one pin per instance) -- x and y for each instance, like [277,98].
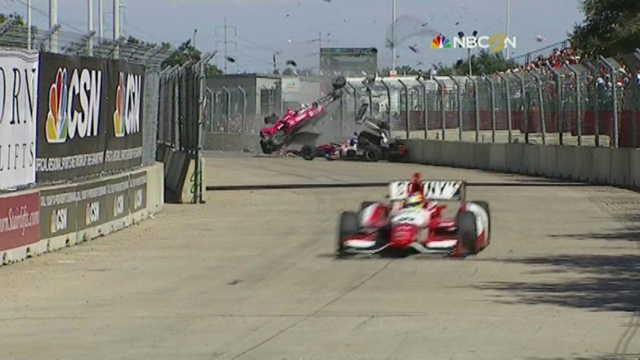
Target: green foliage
[483,63]
[611,28]
[19,19]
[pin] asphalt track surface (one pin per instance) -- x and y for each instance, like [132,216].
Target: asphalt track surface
[251,275]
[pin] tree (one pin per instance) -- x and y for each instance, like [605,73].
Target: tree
[611,28]
[19,19]
[184,53]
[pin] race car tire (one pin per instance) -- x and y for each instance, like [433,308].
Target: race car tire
[373,154]
[485,206]
[266,149]
[339,82]
[308,152]
[366,204]
[466,224]
[349,225]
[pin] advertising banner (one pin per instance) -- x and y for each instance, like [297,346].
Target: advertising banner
[57,211]
[71,127]
[123,112]
[18,109]
[138,191]
[92,205]
[117,198]
[19,220]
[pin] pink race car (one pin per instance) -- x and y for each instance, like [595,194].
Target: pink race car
[413,220]
[275,136]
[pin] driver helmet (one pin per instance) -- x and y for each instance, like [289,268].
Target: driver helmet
[414,200]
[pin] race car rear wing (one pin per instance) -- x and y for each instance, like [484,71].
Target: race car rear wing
[441,190]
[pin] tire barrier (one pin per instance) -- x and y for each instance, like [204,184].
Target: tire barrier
[603,166]
[50,218]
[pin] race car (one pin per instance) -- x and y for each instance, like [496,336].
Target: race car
[412,221]
[281,132]
[334,151]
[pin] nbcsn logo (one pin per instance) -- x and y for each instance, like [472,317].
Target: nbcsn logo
[494,43]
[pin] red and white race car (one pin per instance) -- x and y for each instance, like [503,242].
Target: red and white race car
[413,219]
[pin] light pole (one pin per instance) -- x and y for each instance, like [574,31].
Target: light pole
[508,26]
[393,35]
[29,24]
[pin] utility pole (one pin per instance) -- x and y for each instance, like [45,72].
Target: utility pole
[320,41]
[195,32]
[90,25]
[226,41]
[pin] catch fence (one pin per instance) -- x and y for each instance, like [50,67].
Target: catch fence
[594,103]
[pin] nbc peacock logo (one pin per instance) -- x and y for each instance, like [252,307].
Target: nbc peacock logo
[118,114]
[440,42]
[57,119]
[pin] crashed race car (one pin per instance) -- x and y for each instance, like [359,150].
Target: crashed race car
[412,221]
[279,133]
[372,144]
[334,151]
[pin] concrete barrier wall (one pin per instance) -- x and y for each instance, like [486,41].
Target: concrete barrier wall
[50,218]
[607,166]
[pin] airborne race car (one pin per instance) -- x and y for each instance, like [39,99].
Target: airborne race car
[281,132]
[413,220]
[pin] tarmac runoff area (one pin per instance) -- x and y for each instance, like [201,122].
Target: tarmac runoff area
[251,275]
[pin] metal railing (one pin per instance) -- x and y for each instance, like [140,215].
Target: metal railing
[60,41]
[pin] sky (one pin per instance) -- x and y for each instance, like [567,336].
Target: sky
[291,28]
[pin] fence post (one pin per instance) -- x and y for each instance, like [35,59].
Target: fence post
[406,107]
[492,89]
[425,114]
[228,115]
[525,107]
[244,108]
[477,96]
[596,103]
[576,75]
[386,86]
[459,100]
[543,124]
[612,73]
[560,116]
[443,88]
[507,88]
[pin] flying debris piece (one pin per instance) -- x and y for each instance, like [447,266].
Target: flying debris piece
[292,63]
[230,59]
[475,33]
[419,63]
[540,38]
[329,34]
[344,20]
[288,15]
[289,41]
[413,48]
[327,1]
[457,23]
[425,24]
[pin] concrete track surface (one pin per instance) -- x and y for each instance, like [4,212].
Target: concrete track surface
[251,275]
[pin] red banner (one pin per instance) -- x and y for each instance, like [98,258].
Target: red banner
[19,220]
